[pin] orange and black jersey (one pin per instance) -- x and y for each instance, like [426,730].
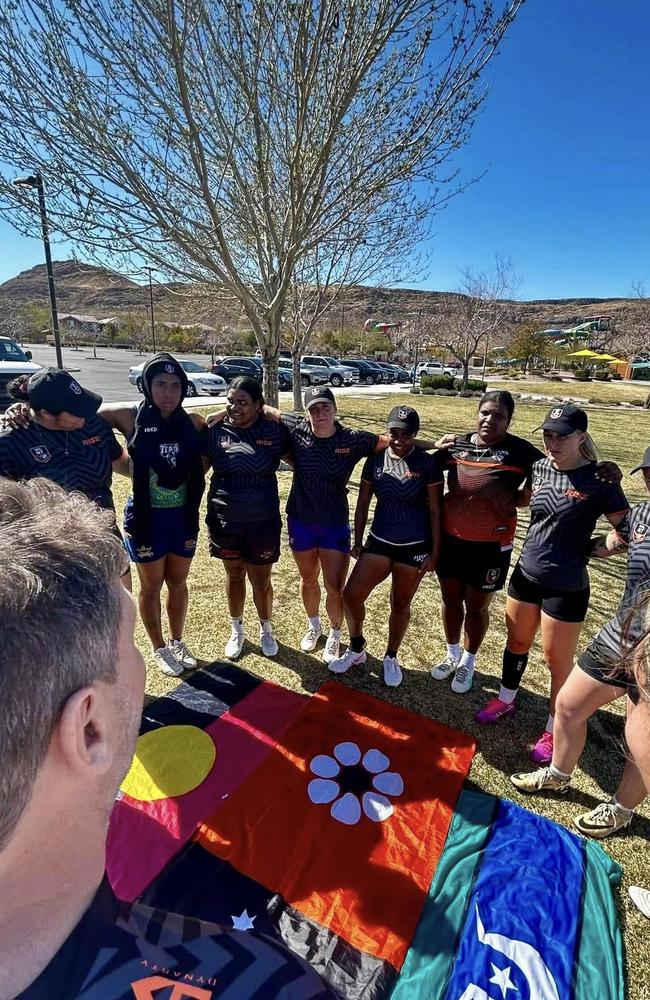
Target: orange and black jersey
[564,508]
[122,951]
[76,460]
[482,487]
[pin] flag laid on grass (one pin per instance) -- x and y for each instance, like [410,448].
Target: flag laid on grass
[330,831]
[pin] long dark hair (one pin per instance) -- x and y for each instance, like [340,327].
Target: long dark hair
[500,396]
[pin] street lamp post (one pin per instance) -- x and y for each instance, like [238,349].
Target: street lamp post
[36,181]
[153,326]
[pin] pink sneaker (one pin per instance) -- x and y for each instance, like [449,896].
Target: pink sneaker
[495,710]
[542,752]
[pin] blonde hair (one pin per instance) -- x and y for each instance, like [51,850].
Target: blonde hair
[588,448]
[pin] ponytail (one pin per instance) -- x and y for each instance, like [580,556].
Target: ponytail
[588,449]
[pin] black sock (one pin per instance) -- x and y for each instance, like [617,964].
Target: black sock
[392,653]
[357,643]
[514,665]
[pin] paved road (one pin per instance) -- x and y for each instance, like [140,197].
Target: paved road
[107,374]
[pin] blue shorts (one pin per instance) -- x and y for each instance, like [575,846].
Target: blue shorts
[303,537]
[170,535]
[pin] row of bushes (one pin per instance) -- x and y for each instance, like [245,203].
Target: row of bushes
[451,384]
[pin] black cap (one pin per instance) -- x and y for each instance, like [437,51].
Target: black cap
[162,364]
[404,418]
[645,462]
[316,394]
[564,419]
[56,391]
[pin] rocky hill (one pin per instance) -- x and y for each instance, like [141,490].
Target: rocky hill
[83,288]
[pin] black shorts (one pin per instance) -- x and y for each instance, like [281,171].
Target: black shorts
[409,555]
[599,663]
[254,542]
[563,605]
[480,565]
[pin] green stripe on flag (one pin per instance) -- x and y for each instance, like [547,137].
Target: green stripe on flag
[429,960]
[600,940]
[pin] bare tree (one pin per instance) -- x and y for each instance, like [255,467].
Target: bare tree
[225,143]
[480,311]
[633,331]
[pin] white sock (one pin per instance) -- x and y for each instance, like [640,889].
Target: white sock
[507,695]
[560,775]
[237,624]
[549,723]
[266,625]
[467,660]
[315,623]
[621,808]
[453,651]
[335,633]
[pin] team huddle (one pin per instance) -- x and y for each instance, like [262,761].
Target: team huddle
[465,533]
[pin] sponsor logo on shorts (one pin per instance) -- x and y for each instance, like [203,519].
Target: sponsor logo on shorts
[76,388]
[170,453]
[96,439]
[266,554]
[557,412]
[576,495]
[420,558]
[144,552]
[190,544]
[640,532]
[40,453]
[491,576]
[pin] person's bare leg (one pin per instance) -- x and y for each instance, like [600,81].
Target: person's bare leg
[260,578]
[453,610]
[308,565]
[559,643]
[634,785]
[477,618]
[235,586]
[152,576]
[177,569]
[406,580]
[368,572]
[335,570]
[580,696]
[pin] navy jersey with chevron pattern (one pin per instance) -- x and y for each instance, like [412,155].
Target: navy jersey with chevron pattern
[626,628]
[122,951]
[400,485]
[564,509]
[322,469]
[77,460]
[244,461]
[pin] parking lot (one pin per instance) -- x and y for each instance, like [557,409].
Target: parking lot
[107,374]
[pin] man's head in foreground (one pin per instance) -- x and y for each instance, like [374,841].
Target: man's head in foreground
[72,679]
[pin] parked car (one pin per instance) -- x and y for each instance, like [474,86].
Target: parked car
[390,371]
[309,374]
[230,368]
[436,368]
[380,374]
[200,381]
[403,375]
[14,361]
[367,372]
[339,372]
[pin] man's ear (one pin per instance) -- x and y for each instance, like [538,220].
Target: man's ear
[83,732]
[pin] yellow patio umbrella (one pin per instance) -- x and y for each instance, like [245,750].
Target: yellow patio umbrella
[584,353]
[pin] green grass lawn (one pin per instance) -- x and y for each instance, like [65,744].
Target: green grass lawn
[621,436]
[602,392]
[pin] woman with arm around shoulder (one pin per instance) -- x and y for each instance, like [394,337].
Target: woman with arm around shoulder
[549,586]
[489,475]
[245,450]
[613,665]
[403,541]
[161,517]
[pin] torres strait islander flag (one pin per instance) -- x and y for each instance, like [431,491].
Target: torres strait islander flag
[324,822]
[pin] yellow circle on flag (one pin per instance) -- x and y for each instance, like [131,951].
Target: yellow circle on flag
[169,761]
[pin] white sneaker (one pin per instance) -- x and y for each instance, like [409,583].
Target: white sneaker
[349,659]
[310,639]
[167,662]
[392,672]
[182,654]
[235,643]
[332,648]
[267,642]
[463,679]
[445,669]
[641,899]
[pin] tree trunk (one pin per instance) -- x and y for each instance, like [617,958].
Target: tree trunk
[463,386]
[270,383]
[297,388]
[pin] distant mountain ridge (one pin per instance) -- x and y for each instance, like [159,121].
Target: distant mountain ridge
[85,288]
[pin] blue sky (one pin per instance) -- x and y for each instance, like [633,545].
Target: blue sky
[565,139]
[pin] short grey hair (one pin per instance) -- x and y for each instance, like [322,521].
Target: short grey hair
[60,613]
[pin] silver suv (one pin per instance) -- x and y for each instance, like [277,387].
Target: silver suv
[338,373]
[13,362]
